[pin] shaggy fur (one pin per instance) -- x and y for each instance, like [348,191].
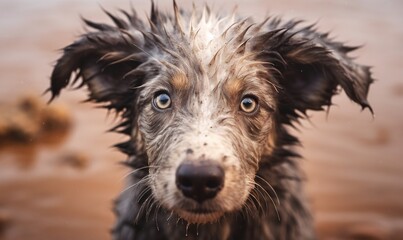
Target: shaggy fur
[208,64]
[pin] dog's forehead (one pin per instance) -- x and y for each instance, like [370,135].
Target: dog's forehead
[209,59]
[213,53]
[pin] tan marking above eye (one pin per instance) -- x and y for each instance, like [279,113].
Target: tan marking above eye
[233,87]
[180,82]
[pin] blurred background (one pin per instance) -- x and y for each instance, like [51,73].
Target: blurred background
[59,175]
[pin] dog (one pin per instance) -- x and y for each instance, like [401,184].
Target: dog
[207,102]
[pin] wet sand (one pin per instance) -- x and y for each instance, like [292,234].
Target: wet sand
[65,191]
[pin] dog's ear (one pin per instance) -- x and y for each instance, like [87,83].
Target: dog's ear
[309,67]
[106,60]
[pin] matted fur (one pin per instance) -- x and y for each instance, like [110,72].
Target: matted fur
[207,63]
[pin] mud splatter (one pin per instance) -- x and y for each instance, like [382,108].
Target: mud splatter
[30,122]
[75,160]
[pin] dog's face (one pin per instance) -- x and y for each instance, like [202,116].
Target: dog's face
[204,134]
[201,97]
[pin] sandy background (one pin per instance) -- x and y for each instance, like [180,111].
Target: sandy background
[64,189]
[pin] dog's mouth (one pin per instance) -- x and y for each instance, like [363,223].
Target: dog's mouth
[199,215]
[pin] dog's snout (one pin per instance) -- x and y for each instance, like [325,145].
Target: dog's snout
[200,182]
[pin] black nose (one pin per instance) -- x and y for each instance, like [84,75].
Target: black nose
[200,182]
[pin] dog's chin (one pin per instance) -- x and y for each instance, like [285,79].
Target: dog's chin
[199,217]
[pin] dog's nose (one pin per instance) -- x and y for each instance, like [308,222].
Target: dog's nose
[200,182]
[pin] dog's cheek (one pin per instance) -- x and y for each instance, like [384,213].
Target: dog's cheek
[163,187]
[249,152]
[235,191]
[239,184]
[151,123]
[254,139]
[156,134]
[157,186]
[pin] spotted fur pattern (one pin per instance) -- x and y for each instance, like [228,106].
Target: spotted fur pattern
[208,63]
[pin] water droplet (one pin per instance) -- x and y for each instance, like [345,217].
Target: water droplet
[170,215]
[187,229]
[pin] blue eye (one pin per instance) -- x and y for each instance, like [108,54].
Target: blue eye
[162,101]
[248,104]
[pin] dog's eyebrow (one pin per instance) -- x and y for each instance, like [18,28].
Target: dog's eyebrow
[233,87]
[236,86]
[180,82]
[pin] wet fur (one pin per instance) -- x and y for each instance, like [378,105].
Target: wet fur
[292,68]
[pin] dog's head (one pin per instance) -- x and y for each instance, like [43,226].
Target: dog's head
[202,96]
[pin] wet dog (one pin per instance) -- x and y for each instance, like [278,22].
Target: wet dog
[206,102]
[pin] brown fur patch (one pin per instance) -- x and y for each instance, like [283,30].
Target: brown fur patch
[233,88]
[180,82]
[271,141]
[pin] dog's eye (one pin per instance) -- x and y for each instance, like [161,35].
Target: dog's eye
[248,104]
[162,101]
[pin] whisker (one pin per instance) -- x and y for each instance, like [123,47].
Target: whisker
[246,210]
[170,215]
[256,199]
[134,171]
[150,207]
[145,179]
[271,187]
[143,192]
[271,199]
[156,216]
[144,205]
[259,191]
